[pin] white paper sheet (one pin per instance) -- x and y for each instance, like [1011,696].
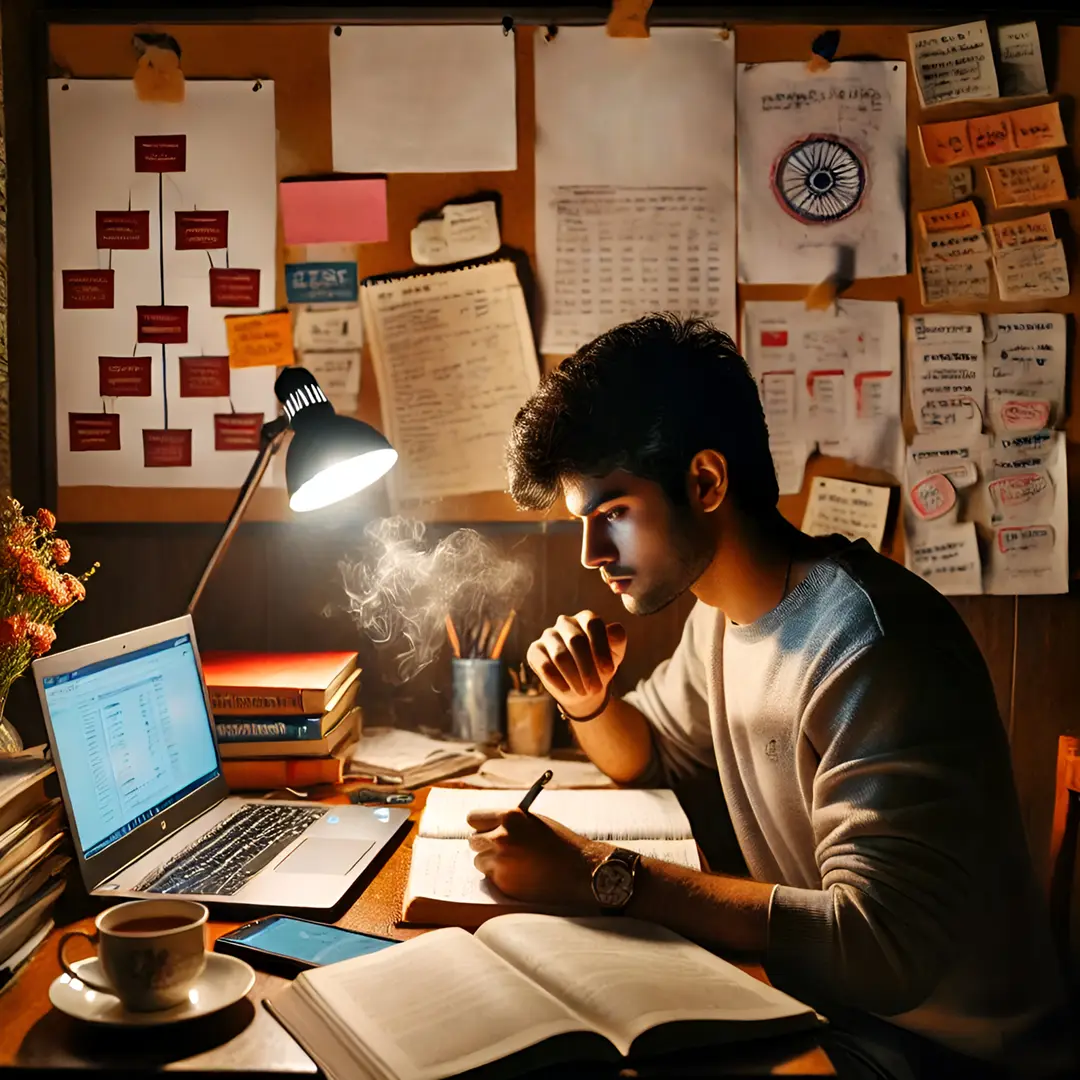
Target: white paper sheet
[455,360]
[1022,71]
[1026,371]
[338,373]
[461,232]
[953,63]
[857,511]
[947,373]
[822,166]
[789,460]
[231,165]
[1034,272]
[459,116]
[947,557]
[635,179]
[325,328]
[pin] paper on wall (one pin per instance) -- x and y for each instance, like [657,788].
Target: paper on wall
[822,168]
[857,511]
[454,356]
[462,231]
[953,64]
[947,372]
[1021,60]
[338,373]
[948,558]
[1032,182]
[327,328]
[789,460]
[1037,127]
[954,281]
[1032,272]
[227,163]
[1026,356]
[460,116]
[634,208]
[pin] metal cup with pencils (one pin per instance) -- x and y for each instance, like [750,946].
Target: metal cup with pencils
[530,714]
[479,697]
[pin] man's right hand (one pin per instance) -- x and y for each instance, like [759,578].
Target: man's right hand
[577,658]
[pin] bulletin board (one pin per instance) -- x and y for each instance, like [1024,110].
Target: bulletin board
[296,57]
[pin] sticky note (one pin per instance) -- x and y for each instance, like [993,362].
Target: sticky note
[1024,130]
[947,143]
[1035,182]
[955,244]
[954,281]
[1033,273]
[963,215]
[1038,128]
[333,211]
[263,340]
[1022,232]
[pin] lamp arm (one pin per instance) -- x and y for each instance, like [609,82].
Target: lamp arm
[270,440]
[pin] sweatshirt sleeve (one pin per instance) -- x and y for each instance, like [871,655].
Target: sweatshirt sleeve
[673,699]
[901,793]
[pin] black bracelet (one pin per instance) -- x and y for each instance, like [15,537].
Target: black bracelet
[593,715]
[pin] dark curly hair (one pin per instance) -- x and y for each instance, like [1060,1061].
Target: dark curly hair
[644,397]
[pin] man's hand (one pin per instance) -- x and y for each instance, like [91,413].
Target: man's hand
[534,858]
[577,658]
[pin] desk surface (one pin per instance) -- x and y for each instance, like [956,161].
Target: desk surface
[244,1040]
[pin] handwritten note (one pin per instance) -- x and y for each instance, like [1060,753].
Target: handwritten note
[948,557]
[959,244]
[963,215]
[1036,230]
[338,373]
[1026,370]
[461,232]
[1035,182]
[259,340]
[1021,60]
[947,372]
[961,182]
[1035,128]
[1032,273]
[954,281]
[857,511]
[789,460]
[329,328]
[953,64]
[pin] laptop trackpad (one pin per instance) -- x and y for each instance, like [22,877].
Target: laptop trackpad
[315,856]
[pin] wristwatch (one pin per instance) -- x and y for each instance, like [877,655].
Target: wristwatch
[613,880]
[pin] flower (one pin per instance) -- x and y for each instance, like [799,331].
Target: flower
[12,630]
[41,637]
[61,552]
[22,535]
[74,589]
[46,519]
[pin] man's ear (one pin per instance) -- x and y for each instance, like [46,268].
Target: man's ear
[708,479]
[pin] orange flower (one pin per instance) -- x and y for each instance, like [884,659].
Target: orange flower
[41,637]
[74,589]
[61,552]
[12,630]
[22,534]
[46,519]
[35,578]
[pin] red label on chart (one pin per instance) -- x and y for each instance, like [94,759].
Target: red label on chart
[162,325]
[166,448]
[160,153]
[88,288]
[123,230]
[124,376]
[237,431]
[204,376]
[773,339]
[234,288]
[202,230]
[93,431]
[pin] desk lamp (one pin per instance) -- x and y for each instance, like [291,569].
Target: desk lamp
[329,458]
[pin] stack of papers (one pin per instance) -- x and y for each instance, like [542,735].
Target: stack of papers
[520,770]
[409,759]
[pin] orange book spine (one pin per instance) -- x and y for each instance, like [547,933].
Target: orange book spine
[250,775]
[235,701]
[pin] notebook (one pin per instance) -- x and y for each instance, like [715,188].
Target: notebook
[527,991]
[446,889]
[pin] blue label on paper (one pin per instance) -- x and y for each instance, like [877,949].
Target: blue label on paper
[318,282]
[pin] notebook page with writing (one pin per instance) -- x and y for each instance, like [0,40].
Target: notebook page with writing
[616,815]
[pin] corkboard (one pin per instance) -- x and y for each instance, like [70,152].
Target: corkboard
[296,57]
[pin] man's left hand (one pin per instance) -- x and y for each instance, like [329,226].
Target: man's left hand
[533,858]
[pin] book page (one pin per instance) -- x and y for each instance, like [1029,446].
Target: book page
[622,814]
[435,1006]
[627,976]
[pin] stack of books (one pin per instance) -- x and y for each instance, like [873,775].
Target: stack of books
[283,719]
[409,759]
[33,856]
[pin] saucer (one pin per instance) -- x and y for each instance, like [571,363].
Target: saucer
[225,981]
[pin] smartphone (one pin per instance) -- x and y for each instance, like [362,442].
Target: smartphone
[286,946]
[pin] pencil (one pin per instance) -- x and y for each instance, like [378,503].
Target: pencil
[451,633]
[500,641]
[530,795]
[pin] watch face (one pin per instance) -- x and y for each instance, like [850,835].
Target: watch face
[613,884]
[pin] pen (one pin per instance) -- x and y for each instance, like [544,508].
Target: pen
[530,795]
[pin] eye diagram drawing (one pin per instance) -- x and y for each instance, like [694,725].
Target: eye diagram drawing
[819,179]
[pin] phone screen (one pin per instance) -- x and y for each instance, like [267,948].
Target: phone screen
[308,941]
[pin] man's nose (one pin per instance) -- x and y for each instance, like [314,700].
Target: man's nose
[596,549]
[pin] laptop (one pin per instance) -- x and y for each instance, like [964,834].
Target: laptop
[133,742]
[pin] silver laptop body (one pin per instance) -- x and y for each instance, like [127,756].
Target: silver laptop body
[133,741]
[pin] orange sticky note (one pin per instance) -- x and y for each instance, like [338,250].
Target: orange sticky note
[963,215]
[1035,182]
[263,340]
[333,211]
[1022,232]
[991,135]
[1038,128]
[946,143]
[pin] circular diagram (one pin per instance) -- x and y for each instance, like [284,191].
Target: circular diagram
[820,179]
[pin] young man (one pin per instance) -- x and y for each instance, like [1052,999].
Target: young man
[842,701]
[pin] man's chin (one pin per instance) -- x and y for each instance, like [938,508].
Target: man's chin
[650,603]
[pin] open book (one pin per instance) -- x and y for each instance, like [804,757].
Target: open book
[533,989]
[446,889]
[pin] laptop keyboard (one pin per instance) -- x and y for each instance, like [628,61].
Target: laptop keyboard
[224,859]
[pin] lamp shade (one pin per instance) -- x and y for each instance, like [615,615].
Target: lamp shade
[330,457]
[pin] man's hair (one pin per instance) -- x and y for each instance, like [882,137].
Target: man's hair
[645,397]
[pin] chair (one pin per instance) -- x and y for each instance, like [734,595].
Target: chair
[1063,840]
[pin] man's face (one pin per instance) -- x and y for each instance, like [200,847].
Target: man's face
[648,550]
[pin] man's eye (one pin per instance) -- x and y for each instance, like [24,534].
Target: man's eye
[615,513]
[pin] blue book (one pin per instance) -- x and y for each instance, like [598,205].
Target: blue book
[269,729]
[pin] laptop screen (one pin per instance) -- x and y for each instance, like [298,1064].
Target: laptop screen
[132,737]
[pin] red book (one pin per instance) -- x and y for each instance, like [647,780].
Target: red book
[282,684]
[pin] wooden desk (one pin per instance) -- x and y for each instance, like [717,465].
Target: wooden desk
[245,1041]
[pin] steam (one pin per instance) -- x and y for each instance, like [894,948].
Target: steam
[401,589]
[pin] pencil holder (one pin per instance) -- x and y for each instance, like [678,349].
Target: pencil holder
[479,699]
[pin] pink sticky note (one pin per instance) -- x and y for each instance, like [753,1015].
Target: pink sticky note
[334,211]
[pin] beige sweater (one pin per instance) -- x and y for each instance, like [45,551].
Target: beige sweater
[867,774]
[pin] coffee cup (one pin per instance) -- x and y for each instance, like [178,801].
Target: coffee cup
[150,952]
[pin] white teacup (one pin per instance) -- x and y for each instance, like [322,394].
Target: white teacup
[151,952]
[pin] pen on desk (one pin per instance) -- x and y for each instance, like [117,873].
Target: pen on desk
[530,795]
